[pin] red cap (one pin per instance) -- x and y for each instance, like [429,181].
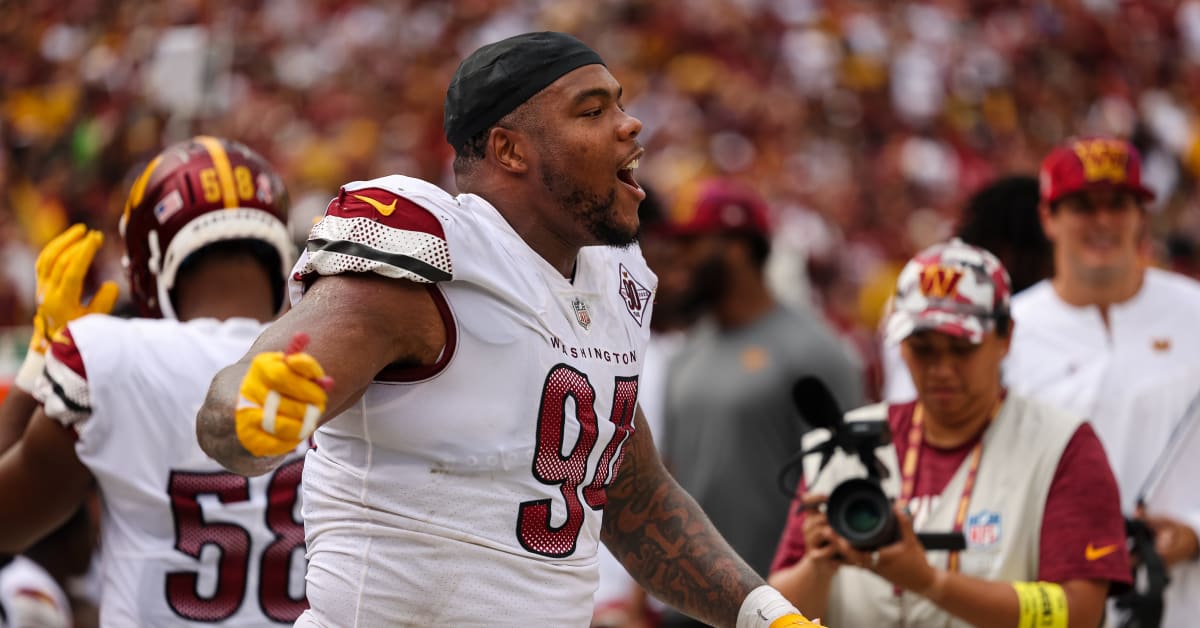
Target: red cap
[718,206]
[1092,162]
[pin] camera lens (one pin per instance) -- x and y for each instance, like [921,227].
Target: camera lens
[860,512]
[862,515]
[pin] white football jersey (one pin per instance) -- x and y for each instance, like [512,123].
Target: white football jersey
[30,597]
[184,542]
[472,492]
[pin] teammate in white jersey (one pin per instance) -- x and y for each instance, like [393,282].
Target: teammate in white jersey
[1099,337]
[184,541]
[482,433]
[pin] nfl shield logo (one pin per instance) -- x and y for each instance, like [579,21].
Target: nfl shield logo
[581,313]
[983,529]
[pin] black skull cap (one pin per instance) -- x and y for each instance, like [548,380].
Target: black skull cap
[500,76]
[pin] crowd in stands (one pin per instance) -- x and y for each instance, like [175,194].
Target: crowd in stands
[865,124]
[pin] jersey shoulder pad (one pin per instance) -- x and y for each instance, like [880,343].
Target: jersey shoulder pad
[89,348]
[382,227]
[63,387]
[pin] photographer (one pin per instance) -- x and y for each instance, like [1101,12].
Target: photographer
[1029,487]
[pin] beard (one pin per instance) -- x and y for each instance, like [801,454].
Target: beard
[594,210]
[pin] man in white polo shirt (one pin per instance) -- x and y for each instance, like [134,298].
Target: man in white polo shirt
[1106,333]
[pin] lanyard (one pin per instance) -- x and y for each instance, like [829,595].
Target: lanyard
[908,473]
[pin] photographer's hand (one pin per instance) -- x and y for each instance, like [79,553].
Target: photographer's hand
[983,603]
[819,538]
[903,563]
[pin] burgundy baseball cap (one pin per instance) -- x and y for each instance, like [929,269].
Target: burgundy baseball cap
[1092,162]
[718,206]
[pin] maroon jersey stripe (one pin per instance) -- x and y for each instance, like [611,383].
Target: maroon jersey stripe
[64,350]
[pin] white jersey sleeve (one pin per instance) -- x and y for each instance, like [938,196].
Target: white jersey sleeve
[385,226]
[62,387]
[186,543]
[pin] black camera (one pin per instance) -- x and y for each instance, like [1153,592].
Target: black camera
[1142,605]
[857,509]
[860,512]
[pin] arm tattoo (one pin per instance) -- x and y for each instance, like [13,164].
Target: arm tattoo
[664,539]
[216,431]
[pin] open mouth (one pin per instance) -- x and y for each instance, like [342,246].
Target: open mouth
[625,174]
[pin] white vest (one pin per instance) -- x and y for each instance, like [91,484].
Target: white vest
[1021,451]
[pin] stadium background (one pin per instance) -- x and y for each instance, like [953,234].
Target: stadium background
[865,123]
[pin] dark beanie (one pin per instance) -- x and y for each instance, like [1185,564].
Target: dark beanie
[498,77]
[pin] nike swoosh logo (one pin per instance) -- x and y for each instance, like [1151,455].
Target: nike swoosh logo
[1096,553]
[386,210]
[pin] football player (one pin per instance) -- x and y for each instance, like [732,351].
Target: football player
[486,350]
[184,542]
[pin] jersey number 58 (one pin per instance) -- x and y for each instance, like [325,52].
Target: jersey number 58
[192,533]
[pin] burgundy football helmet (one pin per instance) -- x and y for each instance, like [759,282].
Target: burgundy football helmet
[196,193]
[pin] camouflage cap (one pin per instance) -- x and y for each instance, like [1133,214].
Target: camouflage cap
[951,288]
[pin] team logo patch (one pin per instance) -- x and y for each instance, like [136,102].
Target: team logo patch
[385,210]
[167,207]
[1103,160]
[983,529]
[940,282]
[635,295]
[582,315]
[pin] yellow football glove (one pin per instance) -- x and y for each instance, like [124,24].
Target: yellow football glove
[61,268]
[281,398]
[795,621]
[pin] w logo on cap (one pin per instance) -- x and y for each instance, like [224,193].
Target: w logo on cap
[1103,160]
[939,282]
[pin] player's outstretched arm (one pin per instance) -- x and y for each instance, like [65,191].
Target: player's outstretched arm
[667,543]
[356,325]
[42,483]
[15,412]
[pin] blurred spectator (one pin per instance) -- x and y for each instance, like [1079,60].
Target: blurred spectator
[1002,217]
[730,421]
[1106,331]
[877,117]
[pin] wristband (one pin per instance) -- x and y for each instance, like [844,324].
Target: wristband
[1043,605]
[31,369]
[765,607]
